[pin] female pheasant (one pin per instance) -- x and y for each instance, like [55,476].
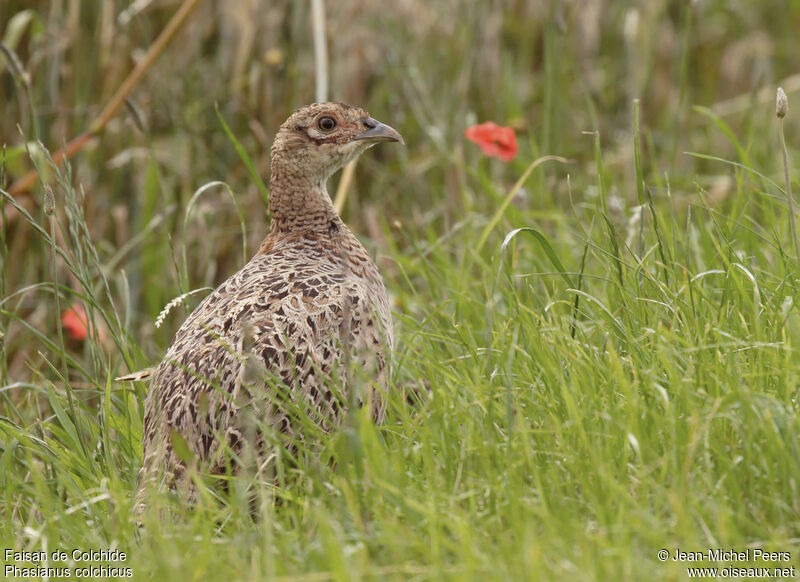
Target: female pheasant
[276,340]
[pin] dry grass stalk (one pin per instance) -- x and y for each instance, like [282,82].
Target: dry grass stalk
[24,184]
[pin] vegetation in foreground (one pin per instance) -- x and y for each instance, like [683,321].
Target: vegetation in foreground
[611,341]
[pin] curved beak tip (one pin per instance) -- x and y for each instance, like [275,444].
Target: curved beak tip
[380,132]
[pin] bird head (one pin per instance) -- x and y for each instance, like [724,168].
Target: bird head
[320,138]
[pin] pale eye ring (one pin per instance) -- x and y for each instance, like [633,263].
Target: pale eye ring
[326,123]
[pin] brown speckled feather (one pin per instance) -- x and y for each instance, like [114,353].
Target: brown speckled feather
[282,328]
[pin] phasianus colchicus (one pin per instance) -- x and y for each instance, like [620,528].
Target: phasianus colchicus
[274,340]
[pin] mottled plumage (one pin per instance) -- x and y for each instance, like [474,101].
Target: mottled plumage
[276,337]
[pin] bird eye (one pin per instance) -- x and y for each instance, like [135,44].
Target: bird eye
[326,123]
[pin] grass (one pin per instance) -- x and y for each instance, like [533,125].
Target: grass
[611,340]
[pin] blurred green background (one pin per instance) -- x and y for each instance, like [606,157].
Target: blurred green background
[622,378]
[551,70]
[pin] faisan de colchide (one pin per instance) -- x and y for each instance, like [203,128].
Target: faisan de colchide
[280,337]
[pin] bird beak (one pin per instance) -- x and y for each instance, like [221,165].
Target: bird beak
[379,132]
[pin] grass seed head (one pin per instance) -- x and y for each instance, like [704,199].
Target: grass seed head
[781,103]
[49,201]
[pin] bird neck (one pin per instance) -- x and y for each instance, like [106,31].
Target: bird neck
[299,202]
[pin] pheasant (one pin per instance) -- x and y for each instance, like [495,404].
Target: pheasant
[281,336]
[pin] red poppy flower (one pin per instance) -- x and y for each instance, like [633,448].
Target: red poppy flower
[75,322]
[494,140]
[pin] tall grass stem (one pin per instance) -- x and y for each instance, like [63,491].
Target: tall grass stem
[789,198]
